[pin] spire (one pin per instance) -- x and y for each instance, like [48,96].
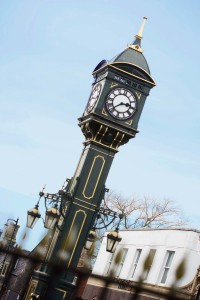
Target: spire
[137,43]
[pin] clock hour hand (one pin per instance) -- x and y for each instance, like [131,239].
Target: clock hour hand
[126,104]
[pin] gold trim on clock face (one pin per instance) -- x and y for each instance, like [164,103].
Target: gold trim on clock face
[94,97]
[121,104]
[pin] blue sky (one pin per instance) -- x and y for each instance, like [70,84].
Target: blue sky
[48,50]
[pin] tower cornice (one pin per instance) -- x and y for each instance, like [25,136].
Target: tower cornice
[114,65]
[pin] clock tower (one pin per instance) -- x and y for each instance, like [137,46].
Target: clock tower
[110,119]
[121,86]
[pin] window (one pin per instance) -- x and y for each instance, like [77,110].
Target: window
[108,265]
[3,269]
[151,255]
[137,257]
[16,264]
[124,253]
[167,265]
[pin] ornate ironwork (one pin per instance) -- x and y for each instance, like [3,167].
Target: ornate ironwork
[105,216]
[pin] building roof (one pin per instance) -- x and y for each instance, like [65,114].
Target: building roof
[160,229]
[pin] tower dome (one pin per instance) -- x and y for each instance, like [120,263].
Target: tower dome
[131,60]
[133,54]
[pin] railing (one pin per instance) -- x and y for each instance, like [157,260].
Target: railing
[106,288]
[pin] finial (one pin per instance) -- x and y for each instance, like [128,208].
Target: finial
[139,35]
[137,43]
[41,193]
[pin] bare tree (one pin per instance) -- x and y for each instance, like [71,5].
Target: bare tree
[145,212]
[137,213]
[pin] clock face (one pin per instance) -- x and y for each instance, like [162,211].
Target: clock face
[94,97]
[121,104]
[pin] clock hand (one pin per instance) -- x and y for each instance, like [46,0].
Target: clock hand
[118,104]
[126,104]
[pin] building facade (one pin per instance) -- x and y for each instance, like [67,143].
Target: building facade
[7,242]
[155,256]
[16,264]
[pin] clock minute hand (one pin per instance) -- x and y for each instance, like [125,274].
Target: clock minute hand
[121,103]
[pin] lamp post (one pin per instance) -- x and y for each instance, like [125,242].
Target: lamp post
[55,206]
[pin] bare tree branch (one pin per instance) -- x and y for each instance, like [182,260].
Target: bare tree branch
[146,212]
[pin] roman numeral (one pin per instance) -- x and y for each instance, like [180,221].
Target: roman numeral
[109,105]
[111,109]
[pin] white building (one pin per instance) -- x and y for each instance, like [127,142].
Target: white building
[167,249]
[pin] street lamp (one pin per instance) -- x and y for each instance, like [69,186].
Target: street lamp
[33,216]
[113,238]
[52,216]
[92,236]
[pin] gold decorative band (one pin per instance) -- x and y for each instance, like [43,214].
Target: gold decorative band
[91,184]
